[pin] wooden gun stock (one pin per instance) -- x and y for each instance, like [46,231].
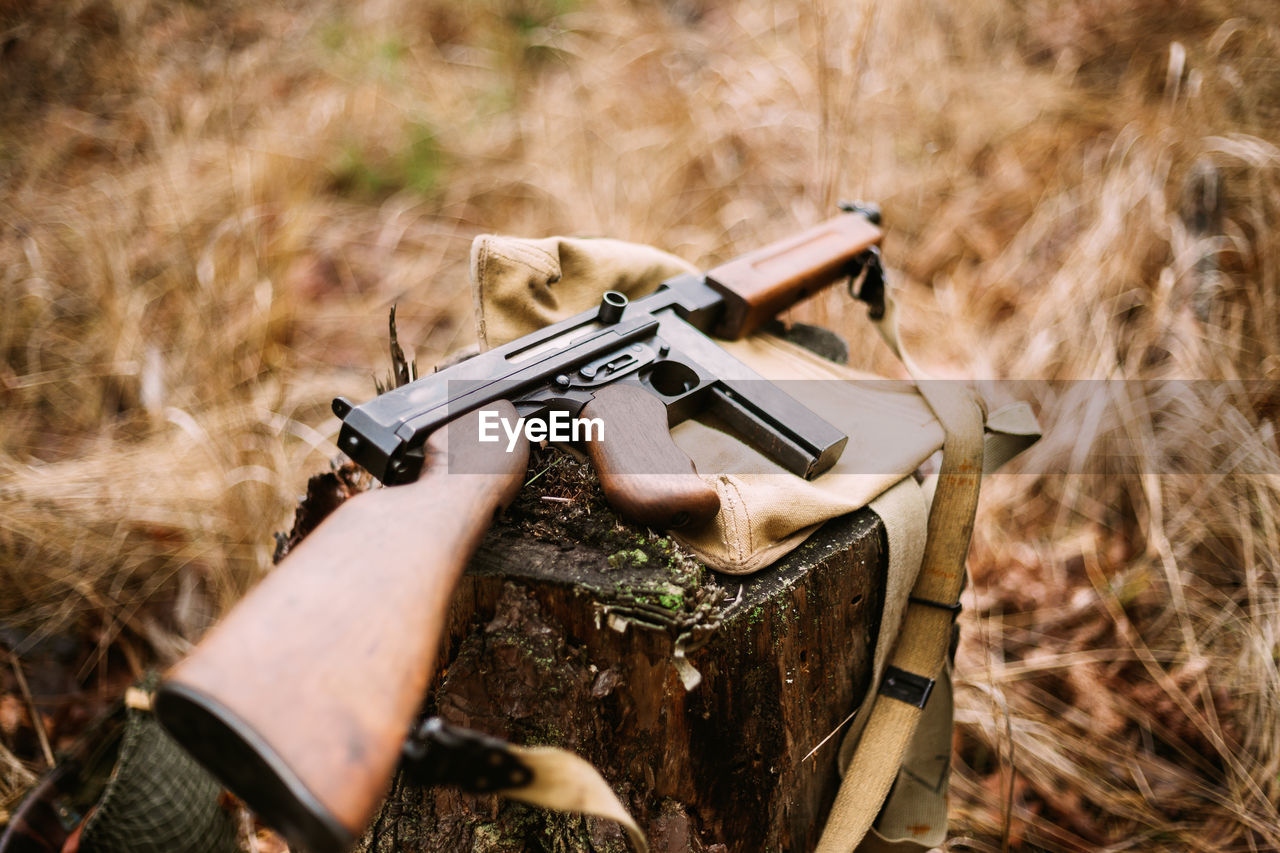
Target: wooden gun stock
[300,699]
[760,284]
[637,441]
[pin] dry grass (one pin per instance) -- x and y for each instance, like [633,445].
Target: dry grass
[206,209]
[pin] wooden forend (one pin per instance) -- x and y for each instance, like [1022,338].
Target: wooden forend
[759,285]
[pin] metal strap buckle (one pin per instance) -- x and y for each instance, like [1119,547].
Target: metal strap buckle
[866,282]
[906,686]
[867,267]
[436,753]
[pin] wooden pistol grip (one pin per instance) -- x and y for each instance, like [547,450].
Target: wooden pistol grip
[300,699]
[644,475]
[760,284]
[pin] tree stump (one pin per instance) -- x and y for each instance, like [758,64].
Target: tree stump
[698,696]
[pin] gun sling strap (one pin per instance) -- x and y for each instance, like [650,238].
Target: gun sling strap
[896,757]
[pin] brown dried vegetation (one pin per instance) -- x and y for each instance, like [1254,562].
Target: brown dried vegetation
[206,208]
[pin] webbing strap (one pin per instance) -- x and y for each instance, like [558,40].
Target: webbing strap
[916,812]
[565,782]
[437,753]
[925,635]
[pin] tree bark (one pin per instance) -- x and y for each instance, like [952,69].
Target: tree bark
[698,696]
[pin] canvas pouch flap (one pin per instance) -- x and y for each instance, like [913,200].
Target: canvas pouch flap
[521,285]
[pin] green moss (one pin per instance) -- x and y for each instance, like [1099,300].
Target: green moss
[645,576]
[632,558]
[517,823]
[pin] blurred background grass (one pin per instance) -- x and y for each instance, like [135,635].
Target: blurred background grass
[207,207]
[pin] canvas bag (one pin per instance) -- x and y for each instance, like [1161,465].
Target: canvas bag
[520,285]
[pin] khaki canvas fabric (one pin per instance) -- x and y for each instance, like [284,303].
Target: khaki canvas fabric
[521,285]
[897,751]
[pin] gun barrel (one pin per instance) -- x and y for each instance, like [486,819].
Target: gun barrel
[760,284]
